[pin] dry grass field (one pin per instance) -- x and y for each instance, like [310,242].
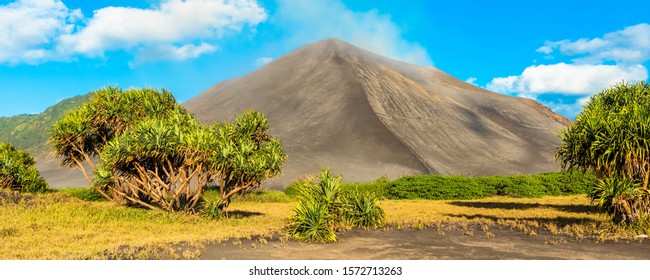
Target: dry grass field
[59,226]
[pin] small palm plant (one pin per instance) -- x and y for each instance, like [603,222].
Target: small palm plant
[362,210]
[313,222]
[319,211]
[323,208]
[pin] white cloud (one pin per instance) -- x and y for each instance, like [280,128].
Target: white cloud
[503,84]
[595,64]
[471,80]
[35,31]
[309,21]
[545,49]
[567,79]
[628,46]
[175,21]
[28,28]
[263,61]
[169,52]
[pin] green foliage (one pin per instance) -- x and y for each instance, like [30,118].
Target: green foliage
[623,199]
[270,196]
[324,206]
[212,207]
[440,187]
[312,221]
[245,154]
[17,171]
[377,187]
[161,163]
[154,154]
[319,210]
[85,194]
[362,209]
[611,137]
[30,132]
[81,134]
[293,190]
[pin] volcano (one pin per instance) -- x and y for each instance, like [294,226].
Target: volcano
[366,116]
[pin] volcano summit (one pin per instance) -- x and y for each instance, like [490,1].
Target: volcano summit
[366,116]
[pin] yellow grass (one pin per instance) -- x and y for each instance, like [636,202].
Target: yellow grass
[57,226]
[570,208]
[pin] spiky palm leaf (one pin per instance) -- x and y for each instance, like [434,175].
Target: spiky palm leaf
[611,136]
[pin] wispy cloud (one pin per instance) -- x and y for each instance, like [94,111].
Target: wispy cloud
[628,46]
[471,80]
[42,30]
[263,61]
[309,21]
[170,52]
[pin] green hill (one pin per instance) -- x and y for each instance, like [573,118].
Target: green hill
[30,132]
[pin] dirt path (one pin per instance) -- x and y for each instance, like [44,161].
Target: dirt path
[430,244]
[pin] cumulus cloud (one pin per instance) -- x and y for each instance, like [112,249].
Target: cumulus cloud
[29,28]
[628,46]
[570,79]
[175,21]
[309,21]
[263,61]
[595,64]
[34,31]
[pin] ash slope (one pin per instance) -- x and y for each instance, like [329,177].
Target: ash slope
[366,116]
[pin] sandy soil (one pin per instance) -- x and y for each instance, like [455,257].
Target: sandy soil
[430,244]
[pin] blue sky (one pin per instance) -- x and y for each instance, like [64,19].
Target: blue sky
[558,52]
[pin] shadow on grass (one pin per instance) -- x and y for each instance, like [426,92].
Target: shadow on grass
[524,206]
[238,214]
[560,221]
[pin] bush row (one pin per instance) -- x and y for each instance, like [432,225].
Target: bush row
[440,187]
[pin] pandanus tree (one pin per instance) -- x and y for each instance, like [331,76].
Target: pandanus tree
[246,155]
[154,154]
[161,163]
[611,137]
[168,163]
[82,133]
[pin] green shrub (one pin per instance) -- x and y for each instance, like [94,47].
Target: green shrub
[440,187]
[313,222]
[293,189]
[378,187]
[212,207]
[86,194]
[324,206]
[362,209]
[437,187]
[18,172]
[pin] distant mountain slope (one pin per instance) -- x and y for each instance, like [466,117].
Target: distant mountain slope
[30,132]
[366,116]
